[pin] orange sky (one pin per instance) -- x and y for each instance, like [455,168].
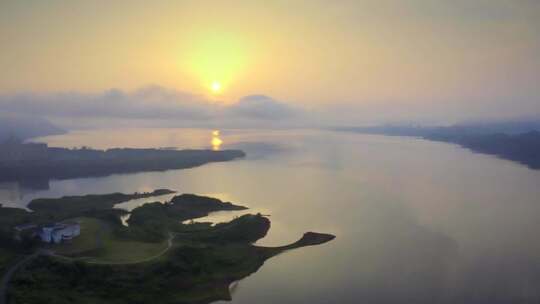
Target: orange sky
[311,53]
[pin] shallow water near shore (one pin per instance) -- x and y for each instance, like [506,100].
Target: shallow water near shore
[416,221]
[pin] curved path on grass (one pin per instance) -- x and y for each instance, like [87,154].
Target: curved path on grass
[169,246]
[165,250]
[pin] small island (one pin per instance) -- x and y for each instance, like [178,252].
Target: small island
[37,161]
[160,256]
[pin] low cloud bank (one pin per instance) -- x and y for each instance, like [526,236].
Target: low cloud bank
[261,107]
[151,105]
[150,102]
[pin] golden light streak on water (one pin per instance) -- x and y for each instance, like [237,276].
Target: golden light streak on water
[216,141]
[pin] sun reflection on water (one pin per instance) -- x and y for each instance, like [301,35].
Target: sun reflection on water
[216,141]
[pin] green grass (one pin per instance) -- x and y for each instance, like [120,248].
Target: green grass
[121,251]
[86,242]
[98,244]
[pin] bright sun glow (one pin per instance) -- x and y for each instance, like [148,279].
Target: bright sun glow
[216,87]
[216,59]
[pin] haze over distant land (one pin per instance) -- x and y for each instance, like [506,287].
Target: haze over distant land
[149,106]
[468,66]
[30,114]
[25,126]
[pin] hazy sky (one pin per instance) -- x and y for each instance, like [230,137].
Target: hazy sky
[351,61]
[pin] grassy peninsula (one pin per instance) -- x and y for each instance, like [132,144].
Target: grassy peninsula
[157,258]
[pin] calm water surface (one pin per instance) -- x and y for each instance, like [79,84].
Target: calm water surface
[416,221]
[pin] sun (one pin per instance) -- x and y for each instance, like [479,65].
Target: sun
[215,87]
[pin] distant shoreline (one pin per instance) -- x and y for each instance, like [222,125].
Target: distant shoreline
[22,162]
[523,148]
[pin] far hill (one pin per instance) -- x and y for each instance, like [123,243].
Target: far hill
[25,127]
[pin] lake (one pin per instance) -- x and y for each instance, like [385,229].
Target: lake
[416,221]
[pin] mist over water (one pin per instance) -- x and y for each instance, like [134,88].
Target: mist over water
[416,221]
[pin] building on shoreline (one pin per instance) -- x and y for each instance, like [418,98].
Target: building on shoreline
[59,232]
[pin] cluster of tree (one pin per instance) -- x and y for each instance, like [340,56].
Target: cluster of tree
[152,221]
[62,163]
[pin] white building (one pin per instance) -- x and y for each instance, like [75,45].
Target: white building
[59,232]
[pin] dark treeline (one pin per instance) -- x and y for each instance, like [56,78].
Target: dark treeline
[61,163]
[523,148]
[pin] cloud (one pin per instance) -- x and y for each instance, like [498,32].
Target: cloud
[156,104]
[149,102]
[261,107]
